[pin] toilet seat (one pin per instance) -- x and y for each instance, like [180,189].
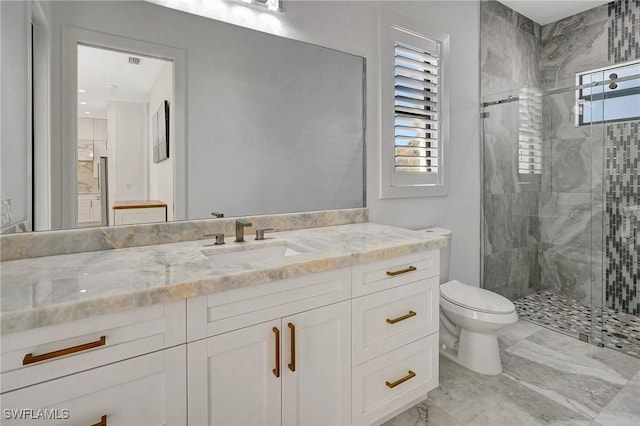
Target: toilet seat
[475,299]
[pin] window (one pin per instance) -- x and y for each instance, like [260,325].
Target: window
[611,94]
[530,132]
[414,112]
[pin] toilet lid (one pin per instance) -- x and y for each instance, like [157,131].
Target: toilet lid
[475,298]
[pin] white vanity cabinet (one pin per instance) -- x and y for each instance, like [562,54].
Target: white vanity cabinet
[291,371]
[293,367]
[350,346]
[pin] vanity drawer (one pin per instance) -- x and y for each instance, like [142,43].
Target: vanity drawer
[45,353]
[386,385]
[390,319]
[230,310]
[145,390]
[376,276]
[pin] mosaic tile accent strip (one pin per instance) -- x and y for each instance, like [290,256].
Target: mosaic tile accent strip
[622,214]
[624,30]
[619,331]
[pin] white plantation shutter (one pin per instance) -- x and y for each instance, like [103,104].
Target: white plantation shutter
[530,131]
[414,108]
[416,71]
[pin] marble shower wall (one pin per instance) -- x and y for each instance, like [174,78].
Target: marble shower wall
[510,49]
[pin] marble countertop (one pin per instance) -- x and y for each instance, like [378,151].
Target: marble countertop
[50,290]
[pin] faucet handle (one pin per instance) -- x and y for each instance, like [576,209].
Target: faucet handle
[217,215]
[219,238]
[260,233]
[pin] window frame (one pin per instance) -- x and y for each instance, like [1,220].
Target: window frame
[580,98]
[408,185]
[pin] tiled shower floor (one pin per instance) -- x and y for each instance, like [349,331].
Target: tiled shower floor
[618,331]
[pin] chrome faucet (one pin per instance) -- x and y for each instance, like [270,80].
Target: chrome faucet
[219,239]
[260,233]
[217,215]
[240,225]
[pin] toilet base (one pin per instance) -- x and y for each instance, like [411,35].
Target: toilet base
[478,352]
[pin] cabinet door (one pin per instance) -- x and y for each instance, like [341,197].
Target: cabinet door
[96,209]
[146,390]
[100,130]
[84,210]
[232,377]
[85,128]
[316,364]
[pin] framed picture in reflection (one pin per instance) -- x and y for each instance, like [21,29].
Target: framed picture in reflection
[160,133]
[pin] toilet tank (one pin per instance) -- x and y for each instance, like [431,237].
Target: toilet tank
[445,252]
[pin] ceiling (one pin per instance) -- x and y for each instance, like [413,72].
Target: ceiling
[107,75]
[546,11]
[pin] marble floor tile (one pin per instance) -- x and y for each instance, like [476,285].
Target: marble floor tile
[473,399]
[624,409]
[516,332]
[575,374]
[423,414]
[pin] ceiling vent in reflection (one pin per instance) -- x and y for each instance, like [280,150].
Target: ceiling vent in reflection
[134,60]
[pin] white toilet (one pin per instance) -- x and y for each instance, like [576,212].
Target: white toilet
[470,318]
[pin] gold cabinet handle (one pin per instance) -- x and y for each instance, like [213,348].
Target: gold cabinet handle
[292,364]
[402,271]
[30,358]
[276,371]
[402,318]
[102,422]
[409,376]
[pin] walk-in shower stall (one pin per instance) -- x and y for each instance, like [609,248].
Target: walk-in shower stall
[561,204]
[560,160]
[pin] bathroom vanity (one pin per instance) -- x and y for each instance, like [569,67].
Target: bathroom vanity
[331,325]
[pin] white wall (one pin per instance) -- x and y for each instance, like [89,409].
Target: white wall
[350,26]
[161,174]
[129,151]
[15,131]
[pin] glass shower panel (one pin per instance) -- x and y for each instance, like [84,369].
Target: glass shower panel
[511,181]
[561,206]
[566,211]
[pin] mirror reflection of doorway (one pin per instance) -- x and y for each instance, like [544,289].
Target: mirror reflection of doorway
[119,94]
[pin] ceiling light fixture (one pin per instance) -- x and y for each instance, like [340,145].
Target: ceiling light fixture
[83,103]
[87,112]
[275,5]
[82,91]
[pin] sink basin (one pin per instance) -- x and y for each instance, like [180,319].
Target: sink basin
[263,251]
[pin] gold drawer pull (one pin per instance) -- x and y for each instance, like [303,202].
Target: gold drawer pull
[102,422]
[402,271]
[30,358]
[276,371]
[409,376]
[402,318]
[292,364]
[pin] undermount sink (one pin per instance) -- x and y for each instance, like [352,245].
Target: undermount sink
[252,252]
